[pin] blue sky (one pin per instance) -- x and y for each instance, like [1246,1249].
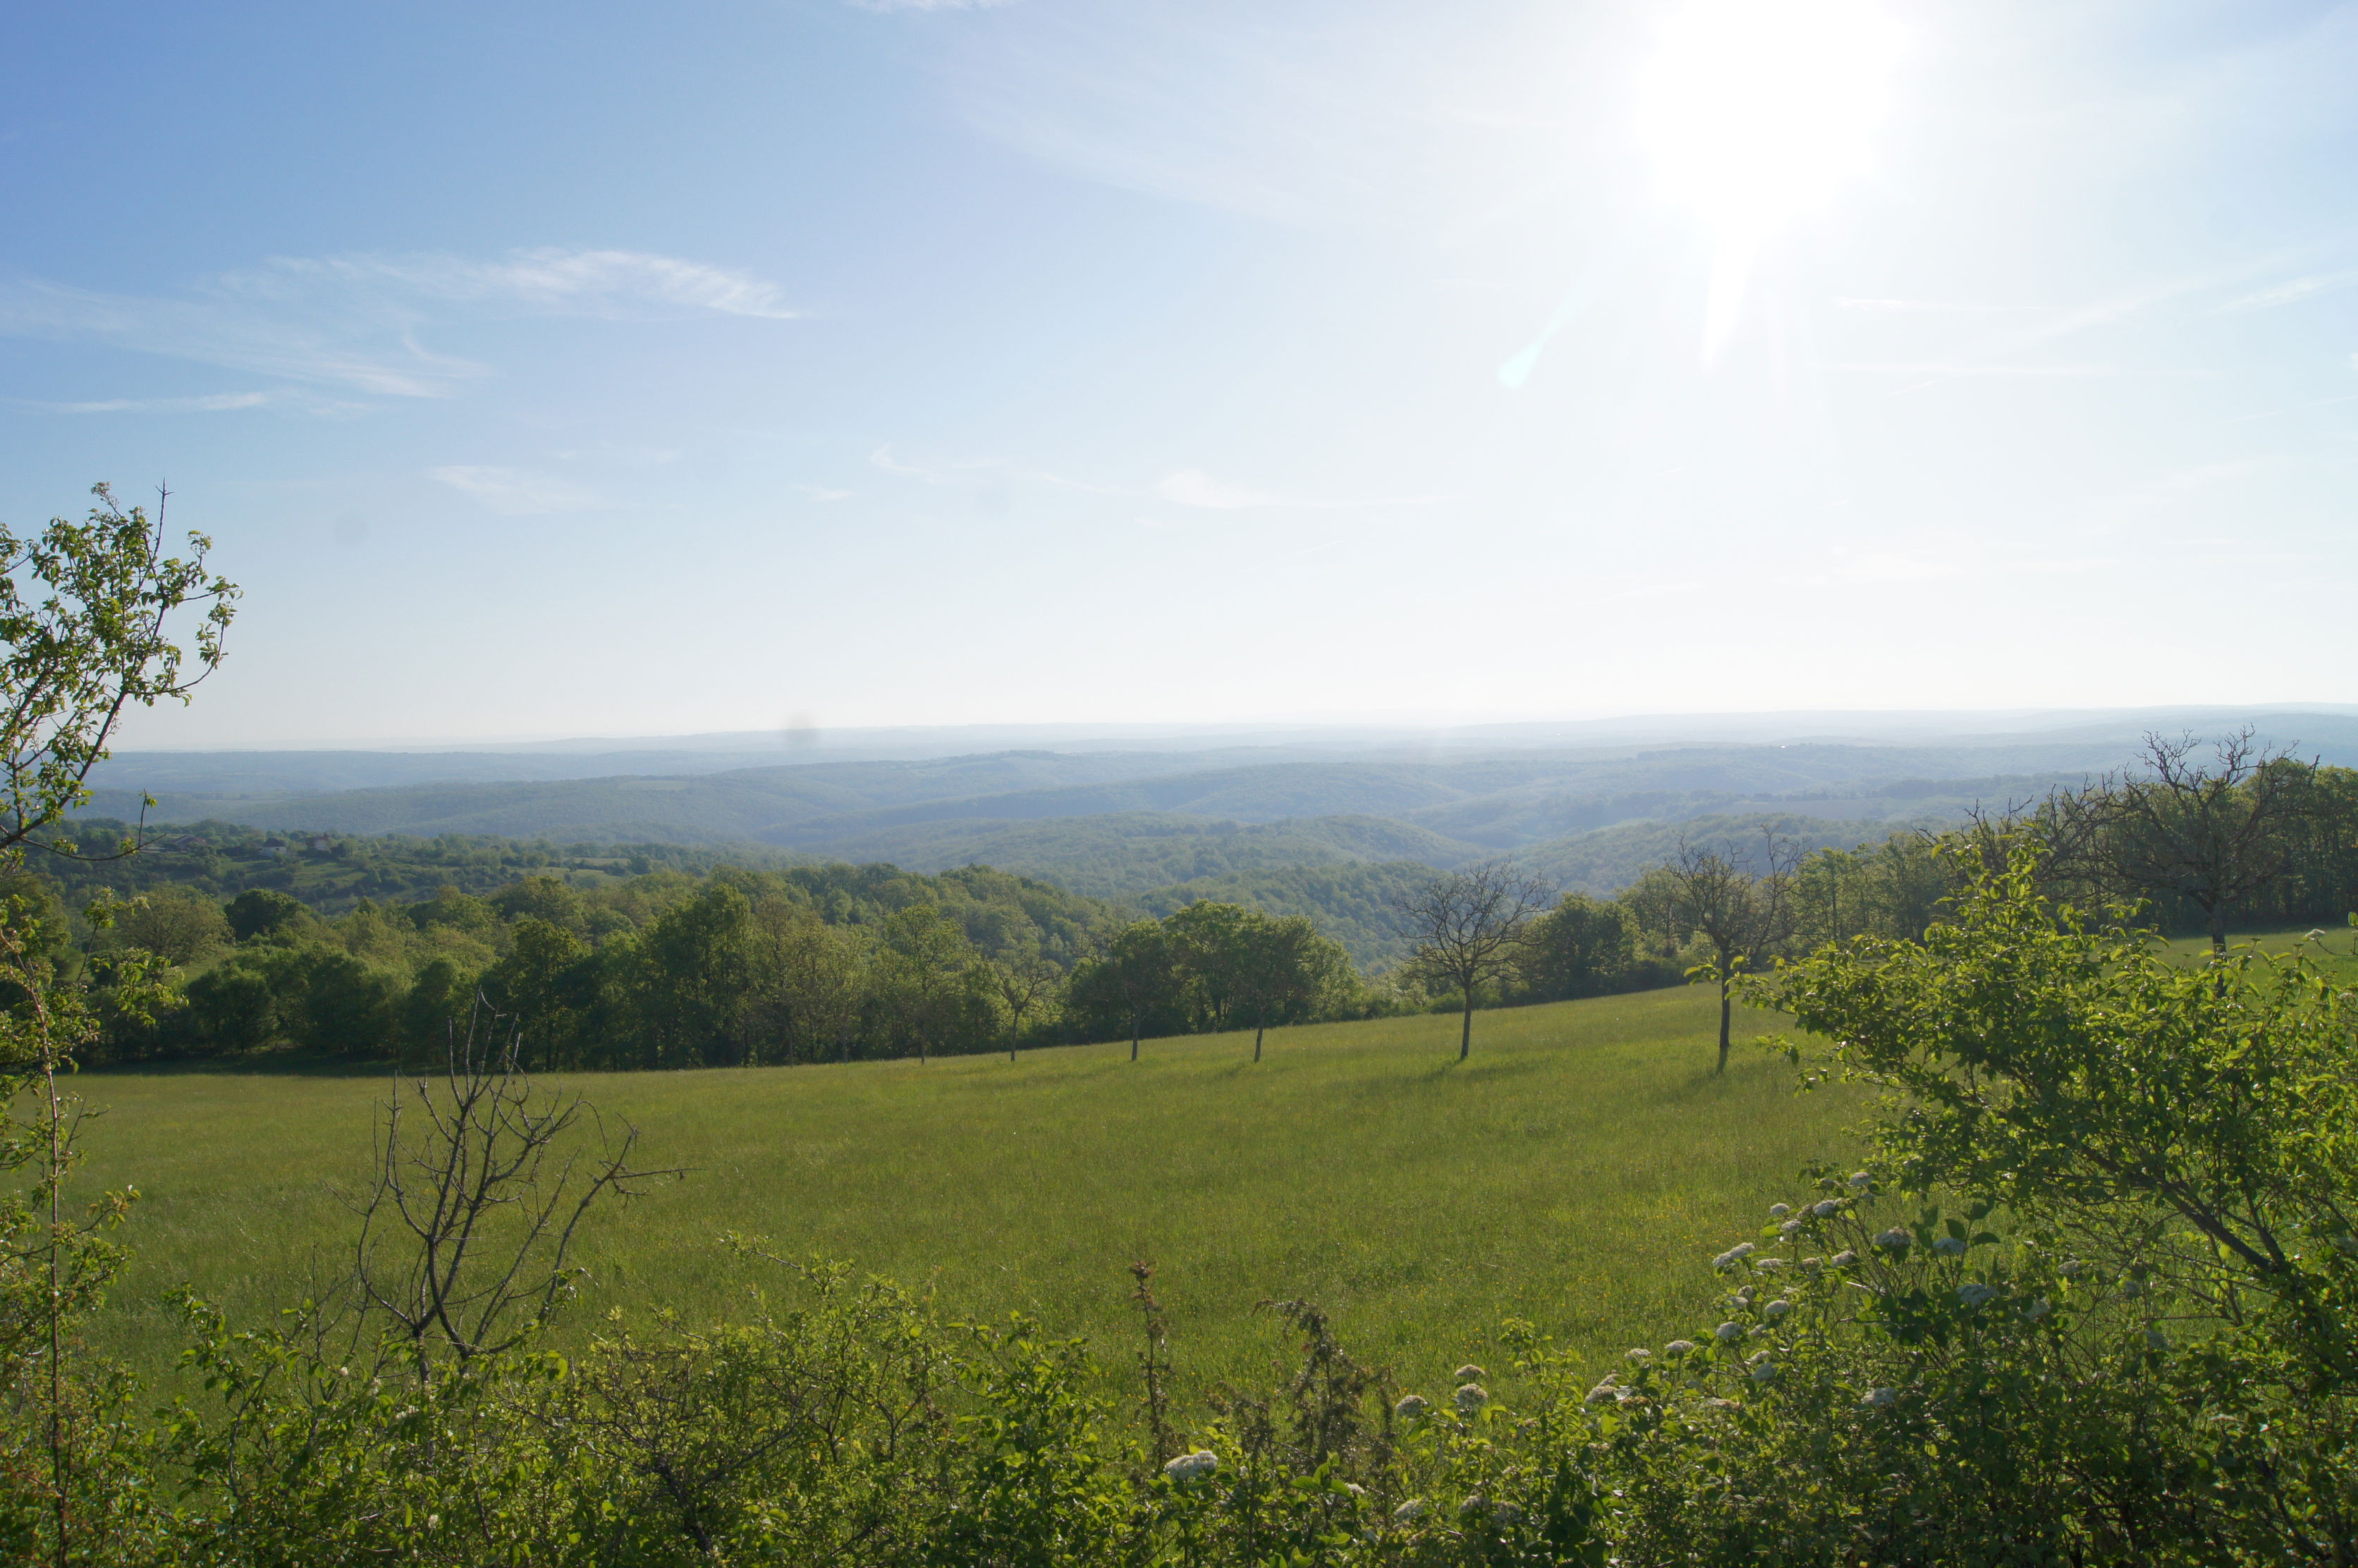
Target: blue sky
[606,369]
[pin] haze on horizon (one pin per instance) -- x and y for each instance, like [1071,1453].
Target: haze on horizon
[547,372]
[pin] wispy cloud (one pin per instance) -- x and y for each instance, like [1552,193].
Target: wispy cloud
[888,5]
[1193,487]
[213,402]
[517,492]
[355,320]
[2295,291]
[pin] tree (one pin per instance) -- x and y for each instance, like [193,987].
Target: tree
[1137,969]
[178,924]
[89,614]
[1207,946]
[1745,916]
[1467,925]
[265,912]
[1281,966]
[2212,835]
[928,968]
[1583,946]
[1025,982]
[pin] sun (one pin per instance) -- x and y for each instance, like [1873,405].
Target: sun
[1757,111]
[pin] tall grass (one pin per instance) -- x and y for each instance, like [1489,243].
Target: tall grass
[1577,1173]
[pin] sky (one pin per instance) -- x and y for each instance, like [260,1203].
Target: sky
[616,369]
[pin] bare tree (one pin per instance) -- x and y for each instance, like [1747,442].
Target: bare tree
[1468,925]
[468,1228]
[2213,835]
[1742,915]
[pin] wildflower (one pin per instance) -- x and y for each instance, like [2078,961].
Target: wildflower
[1410,1407]
[1776,1309]
[1811,1265]
[1826,1208]
[1190,1466]
[1506,1513]
[1604,1393]
[1974,1293]
[2073,1269]
[1469,1373]
[1779,1210]
[1471,1398]
[1679,1347]
[1728,1331]
[1764,1371]
[1356,1489]
[1860,1180]
[1724,1404]
[2038,1309]
[1641,1355]
[1409,1511]
[1844,1259]
[1733,1256]
[1949,1246]
[1894,1240]
[2156,1340]
[1769,1265]
[1880,1398]
[1473,1504]
[1789,1229]
[1743,1297]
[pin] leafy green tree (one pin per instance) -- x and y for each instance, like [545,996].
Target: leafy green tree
[1209,945]
[930,978]
[814,981]
[178,924]
[1582,947]
[259,913]
[1133,983]
[1026,983]
[693,977]
[547,984]
[1282,970]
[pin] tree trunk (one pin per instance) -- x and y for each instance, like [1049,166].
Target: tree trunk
[1465,1027]
[2218,912]
[1725,1007]
[1133,1035]
[1261,1027]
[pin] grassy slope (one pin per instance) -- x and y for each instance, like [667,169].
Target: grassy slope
[1577,1172]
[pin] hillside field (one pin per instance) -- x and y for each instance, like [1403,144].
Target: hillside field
[1578,1172]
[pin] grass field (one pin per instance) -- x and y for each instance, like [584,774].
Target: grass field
[1577,1172]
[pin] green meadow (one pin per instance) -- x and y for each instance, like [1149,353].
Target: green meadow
[1578,1172]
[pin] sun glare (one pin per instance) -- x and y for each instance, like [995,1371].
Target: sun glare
[1756,111]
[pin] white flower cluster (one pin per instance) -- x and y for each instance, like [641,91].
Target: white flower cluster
[1880,1398]
[1727,1332]
[1409,1511]
[1776,1309]
[1470,1398]
[1769,1265]
[1733,1256]
[1469,1373]
[1949,1246]
[1789,1229]
[1895,1239]
[1844,1259]
[1779,1210]
[1191,1466]
[1411,1406]
[1605,1393]
[1860,1180]
[1974,1293]
[1679,1347]
[1826,1208]
[1642,1355]
[1764,1368]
